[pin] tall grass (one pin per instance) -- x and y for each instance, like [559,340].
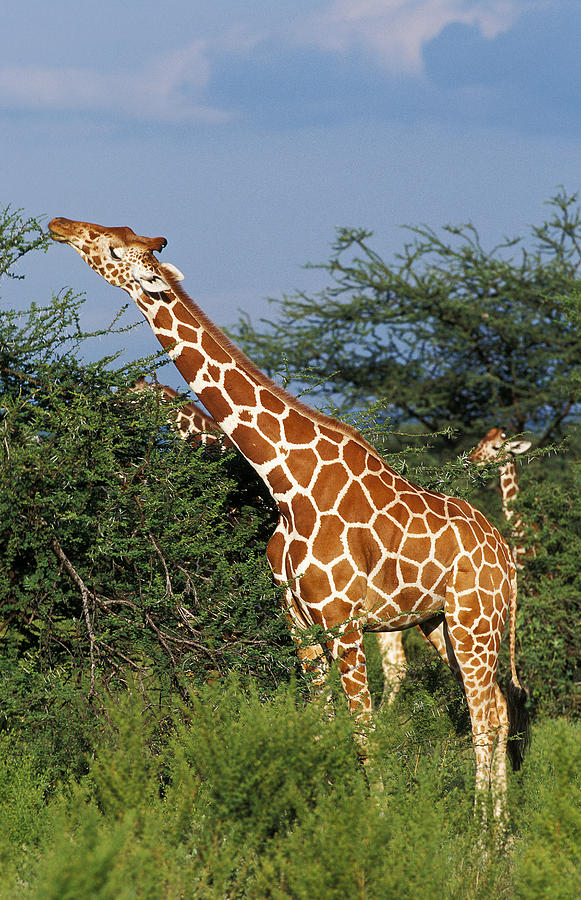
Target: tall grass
[241,796]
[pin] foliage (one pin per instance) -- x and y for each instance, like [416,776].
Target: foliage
[283,809]
[449,335]
[18,236]
[113,526]
[550,589]
[551,858]
[151,744]
[121,548]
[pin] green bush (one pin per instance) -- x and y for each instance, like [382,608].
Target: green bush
[122,549]
[247,797]
[549,863]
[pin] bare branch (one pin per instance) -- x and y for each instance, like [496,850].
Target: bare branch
[86,595]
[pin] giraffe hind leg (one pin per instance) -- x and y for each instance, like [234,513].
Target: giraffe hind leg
[489,720]
[499,724]
[393,664]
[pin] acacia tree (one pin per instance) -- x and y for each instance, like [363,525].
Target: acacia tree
[124,552]
[448,334]
[452,336]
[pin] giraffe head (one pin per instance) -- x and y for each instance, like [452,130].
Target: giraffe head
[123,258]
[495,447]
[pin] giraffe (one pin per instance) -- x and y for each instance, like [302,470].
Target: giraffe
[192,423]
[494,446]
[195,425]
[357,547]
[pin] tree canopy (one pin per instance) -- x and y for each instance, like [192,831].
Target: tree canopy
[448,334]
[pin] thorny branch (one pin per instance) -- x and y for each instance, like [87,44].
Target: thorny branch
[169,641]
[86,595]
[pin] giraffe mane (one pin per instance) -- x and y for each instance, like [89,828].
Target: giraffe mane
[252,369]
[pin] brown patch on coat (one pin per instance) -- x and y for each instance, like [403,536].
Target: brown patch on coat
[254,447]
[269,426]
[214,350]
[298,429]
[364,548]
[194,358]
[304,514]
[330,480]
[239,388]
[278,480]
[354,505]
[355,457]
[326,450]
[302,464]
[215,402]
[163,319]
[327,545]
[271,402]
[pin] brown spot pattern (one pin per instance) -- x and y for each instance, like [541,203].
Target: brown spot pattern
[269,426]
[252,444]
[271,403]
[297,428]
[239,389]
[301,464]
[304,514]
[355,457]
[330,481]
[213,349]
[354,506]
[163,319]
[214,401]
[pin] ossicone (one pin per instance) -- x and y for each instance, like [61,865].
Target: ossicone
[157,244]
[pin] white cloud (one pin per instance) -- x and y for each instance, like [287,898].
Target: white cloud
[396,31]
[170,89]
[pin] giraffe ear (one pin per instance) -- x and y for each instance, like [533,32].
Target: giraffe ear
[149,280]
[517,447]
[173,271]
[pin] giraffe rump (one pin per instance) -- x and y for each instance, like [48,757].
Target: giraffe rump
[519,726]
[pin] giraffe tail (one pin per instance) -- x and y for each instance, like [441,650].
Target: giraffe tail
[519,728]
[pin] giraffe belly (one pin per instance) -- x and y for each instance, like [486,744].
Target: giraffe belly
[406,606]
[385,602]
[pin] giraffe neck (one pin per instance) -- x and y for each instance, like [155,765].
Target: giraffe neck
[275,432]
[509,490]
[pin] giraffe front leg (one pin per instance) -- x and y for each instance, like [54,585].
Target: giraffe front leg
[347,648]
[312,658]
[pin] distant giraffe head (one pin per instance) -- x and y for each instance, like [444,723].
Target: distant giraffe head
[193,423]
[495,447]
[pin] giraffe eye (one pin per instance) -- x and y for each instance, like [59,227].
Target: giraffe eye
[116,252]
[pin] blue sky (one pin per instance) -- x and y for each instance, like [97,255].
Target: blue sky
[245,133]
